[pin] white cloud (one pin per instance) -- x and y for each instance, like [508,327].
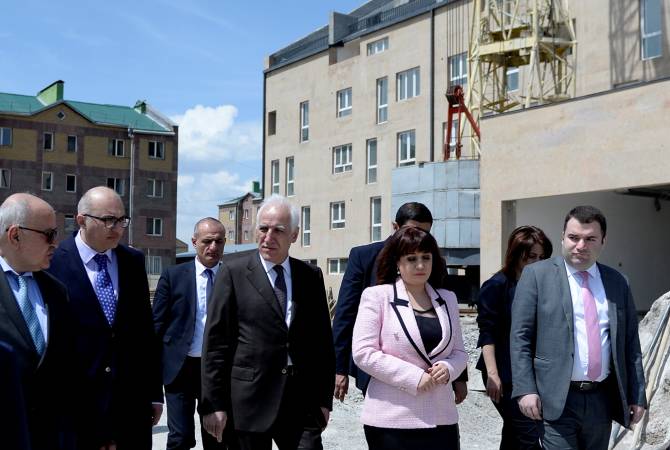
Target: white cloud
[211,134]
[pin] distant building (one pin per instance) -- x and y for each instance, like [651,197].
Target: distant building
[180,246]
[58,149]
[238,215]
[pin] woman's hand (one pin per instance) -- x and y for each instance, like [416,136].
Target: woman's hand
[494,387]
[426,383]
[440,373]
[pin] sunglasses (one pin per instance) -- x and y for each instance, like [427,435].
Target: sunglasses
[50,234]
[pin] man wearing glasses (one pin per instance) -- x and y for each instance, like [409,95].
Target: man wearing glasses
[35,325]
[121,393]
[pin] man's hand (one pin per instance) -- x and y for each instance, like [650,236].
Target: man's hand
[426,383]
[636,412]
[531,406]
[494,387]
[460,391]
[326,415]
[215,423]
[157,412]
[341,386]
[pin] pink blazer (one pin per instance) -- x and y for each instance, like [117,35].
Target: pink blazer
[385,349]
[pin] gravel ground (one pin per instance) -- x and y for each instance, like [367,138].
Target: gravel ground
[479,422]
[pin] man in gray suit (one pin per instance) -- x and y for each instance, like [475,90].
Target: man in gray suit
[576,360]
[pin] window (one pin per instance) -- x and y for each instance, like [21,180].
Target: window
[337,218]
[342,157]
[72,144]
[378,46]
[153,265]
[371,176]
[69,223]
[154,226]
[274,174]
[304,121]
[47,181]
[290,169]
[512,79]
[5,178]
[458,70]
[48,141]
[382,100]
[245,214]
[454,134]
[375,219]
[337,266]
[118,184]
[652,34]
[154,188]
[5,136]
[156,150]
[70,183]
[344,102]
[306,226]
[246,235]
[231,214]
[116,148]
[406,148]
[231,235]
[408,84]
[272,123]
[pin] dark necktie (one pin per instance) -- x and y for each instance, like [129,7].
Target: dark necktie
[30,315]
[280,288]
[208,289]
[104,288]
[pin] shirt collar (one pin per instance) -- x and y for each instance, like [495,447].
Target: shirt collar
[592,271]
[86,252]
[200,267]
[268,266]
[7,268]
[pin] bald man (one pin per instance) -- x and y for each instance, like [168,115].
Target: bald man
[121,395]
[35,324]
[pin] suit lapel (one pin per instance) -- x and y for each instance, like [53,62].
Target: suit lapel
[442,312]
[48,296]
[609,286]
[192,289]
[407,319]
[564,292]
[259,280]
[296,274]
[12,307]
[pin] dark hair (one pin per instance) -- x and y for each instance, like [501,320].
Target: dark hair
[413,211]
[519,245]
[403,242]
[587,214]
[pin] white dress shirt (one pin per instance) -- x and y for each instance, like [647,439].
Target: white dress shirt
[86,254]
[34,295]
[195,350]
[272,276]
[581,351]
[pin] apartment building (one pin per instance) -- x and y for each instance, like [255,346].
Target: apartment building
[58,149]
[238,216]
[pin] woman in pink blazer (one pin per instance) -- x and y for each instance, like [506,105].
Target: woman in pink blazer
[407,336]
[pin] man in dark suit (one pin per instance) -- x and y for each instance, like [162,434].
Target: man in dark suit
[35,323]
[268,359]
[360,274]
[576,360]
[180,312]
[121,393]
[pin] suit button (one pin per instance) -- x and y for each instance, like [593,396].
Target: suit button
[108,369]
[283,371]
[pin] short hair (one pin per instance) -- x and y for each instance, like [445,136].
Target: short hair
[206,219]
[587,214]
[403,242]
[415,211]
[519,245]
[13,212]
[279,201]
[86,202]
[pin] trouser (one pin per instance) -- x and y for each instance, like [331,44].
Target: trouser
[442,437]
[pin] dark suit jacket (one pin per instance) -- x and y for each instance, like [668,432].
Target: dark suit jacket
[175,304]
[542,339]
[120,363]
[247,342]
[46,381]
[494,317]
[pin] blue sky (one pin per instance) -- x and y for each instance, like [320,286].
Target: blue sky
[199,62]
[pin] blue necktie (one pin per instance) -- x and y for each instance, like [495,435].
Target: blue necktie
[104,288]
[280,288]
[210,282]
[29,315]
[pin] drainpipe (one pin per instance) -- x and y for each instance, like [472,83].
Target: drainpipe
[265,77]
[431,123]
[131,189]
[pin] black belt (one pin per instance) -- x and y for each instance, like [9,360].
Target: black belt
[584,386]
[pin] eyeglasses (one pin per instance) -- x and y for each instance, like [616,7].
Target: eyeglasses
[111,221]
[50,233]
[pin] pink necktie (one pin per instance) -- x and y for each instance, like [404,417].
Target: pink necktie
[592,329]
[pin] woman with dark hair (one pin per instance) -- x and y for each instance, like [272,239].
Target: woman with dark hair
[526,245]
[408,338]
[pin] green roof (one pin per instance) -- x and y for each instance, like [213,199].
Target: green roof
[114,115]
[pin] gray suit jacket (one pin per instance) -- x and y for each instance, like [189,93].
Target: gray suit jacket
[542,344]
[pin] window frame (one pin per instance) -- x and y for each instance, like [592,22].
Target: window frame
[340,222]
[5,181]
[306,229]
[375,227]
[158,150]
[76,143]
[231,214]
[274,176]
[509,73]
[6,131]
[114,145]
[156,222]
[345,109]
[382,108]
[461,77]
[378,46]
[47,175]
[151,265]
[646,36]
[403,84]
[304,121]
[371,168]
[341,265]
[69,176]
[343,166]
[115,183]
[411,134]
[290,176]
[154,182]
[50,147]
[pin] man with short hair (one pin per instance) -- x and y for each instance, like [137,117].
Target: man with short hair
[576,359]
[180,312]
[360,274]
[35,325]
[121,395]
[268,360]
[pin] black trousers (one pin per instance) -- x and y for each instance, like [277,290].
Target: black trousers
[181,396]
[518,432]
[293,429]
[442,437]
